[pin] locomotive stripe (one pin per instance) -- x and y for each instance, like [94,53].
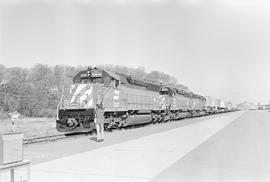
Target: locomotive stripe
[82,93]
[87,96]
[75,95]
[73,89]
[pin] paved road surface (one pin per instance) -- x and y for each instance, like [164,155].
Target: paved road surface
[240,152]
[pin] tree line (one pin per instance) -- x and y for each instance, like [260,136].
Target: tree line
[35,91]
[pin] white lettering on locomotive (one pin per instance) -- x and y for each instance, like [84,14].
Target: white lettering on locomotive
[116,95]
[116,104]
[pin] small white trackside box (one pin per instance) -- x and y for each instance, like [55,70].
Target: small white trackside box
[11,148]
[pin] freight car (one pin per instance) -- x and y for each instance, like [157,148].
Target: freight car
[213,105]
[126,100]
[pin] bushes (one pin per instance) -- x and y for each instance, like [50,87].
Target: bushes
[47,112]
[3,115]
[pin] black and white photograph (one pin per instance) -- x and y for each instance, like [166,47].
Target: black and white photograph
[134,90]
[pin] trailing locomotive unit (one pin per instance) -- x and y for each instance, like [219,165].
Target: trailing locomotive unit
[198,105]
[126,101]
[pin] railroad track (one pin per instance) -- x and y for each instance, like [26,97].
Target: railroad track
[52,138]
[43,139]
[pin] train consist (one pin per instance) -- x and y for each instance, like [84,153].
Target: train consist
[127,101]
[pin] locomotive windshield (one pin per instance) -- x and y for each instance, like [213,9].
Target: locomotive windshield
[166,91]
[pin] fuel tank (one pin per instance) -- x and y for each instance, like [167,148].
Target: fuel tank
[138,119]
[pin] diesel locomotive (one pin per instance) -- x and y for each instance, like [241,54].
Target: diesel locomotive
[126,101]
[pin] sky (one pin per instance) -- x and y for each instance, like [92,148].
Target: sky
[219,48]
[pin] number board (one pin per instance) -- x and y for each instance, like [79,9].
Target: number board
[96,73]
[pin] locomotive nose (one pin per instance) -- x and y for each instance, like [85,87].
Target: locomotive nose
[79,96]
[82,95]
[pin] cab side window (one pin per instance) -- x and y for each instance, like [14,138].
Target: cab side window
[114,83]
[117,82]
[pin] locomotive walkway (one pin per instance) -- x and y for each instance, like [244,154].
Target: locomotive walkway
[231,147]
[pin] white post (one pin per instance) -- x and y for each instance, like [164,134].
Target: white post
[12,175]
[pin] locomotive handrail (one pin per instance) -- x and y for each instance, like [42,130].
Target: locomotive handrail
[60,103]
[104,93]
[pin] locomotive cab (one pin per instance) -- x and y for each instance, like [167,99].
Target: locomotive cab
[166,95]
[76,109]
[167,91]
[95,75]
